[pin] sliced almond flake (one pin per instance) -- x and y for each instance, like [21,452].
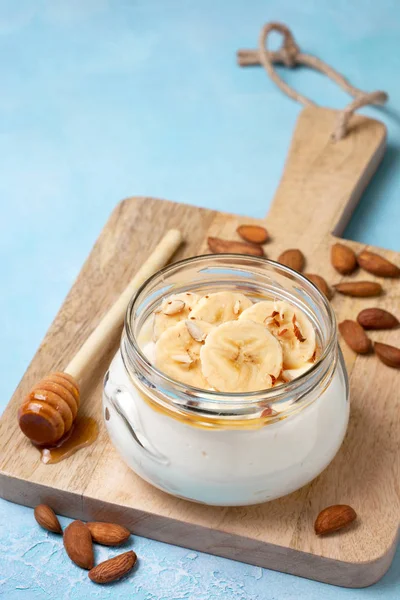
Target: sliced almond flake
[275,313]
[283,331]
[236,307]
[297,331]
[182,358]
[195,331]
[273,379]
[279,310]
[287,375]
[173,307]
[271,321]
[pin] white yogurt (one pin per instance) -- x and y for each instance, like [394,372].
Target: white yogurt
[221,466]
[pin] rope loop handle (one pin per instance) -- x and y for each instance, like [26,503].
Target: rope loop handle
[289,54]
[289,50]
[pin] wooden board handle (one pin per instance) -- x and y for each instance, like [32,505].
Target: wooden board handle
[100,338]
[323,180]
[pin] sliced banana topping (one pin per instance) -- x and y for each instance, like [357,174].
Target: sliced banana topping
[177,353]
[173,309]
[292,374]
[289,325]
[241,356]
[220,307]
[224,341]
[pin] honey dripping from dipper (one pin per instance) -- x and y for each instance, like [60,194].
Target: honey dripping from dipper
[82,433]
[48,414]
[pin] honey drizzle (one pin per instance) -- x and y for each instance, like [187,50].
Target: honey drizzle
[84,432]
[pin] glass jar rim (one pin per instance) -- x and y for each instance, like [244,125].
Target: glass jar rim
[269,395]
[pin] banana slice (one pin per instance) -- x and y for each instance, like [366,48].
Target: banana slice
[289,325]
[177,352]
[220,307]
[173,309]
[291,374]
[241,356]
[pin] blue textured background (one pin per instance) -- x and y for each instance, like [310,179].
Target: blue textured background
[101,99]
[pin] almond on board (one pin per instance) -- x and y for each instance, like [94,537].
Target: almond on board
[320,283]
[114,568]
[334,518]
[377,318]
[293,258]
[47,518]
[219,246]
[373,263]
[389,355]
[343,259]
[360,289]
[355,336]
[78,544]
[255,234]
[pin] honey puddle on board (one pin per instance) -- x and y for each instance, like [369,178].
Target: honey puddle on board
[83,433]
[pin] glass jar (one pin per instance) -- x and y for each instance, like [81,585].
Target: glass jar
[227,449]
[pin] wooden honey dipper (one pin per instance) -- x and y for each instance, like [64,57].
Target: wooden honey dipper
[49,410]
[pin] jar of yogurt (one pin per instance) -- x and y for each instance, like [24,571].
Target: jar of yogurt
[229,387]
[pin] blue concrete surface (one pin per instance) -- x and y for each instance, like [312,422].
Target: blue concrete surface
[102,99]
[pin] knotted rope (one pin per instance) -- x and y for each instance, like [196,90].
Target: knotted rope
[289,55]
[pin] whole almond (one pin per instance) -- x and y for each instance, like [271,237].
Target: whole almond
[389,355]
[361,289]
[255,234]
[292,258]
[355,336]
[78,544]
[373,263]
[333,518]
[343,259]
[114,568]
[108,534]
[320,283]
[219,246]
[377,318]
[47,518]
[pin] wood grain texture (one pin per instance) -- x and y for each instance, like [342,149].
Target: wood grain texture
[321,183]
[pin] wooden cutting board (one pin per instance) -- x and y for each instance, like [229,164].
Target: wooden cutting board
[95,484]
